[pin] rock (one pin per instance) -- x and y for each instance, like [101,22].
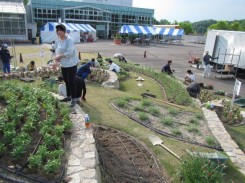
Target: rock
[67,179]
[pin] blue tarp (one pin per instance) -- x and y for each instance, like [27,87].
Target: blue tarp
[136,29]
[169,31]
[145,30]
[50,26]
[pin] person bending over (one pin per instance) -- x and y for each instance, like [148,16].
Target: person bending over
[194,89]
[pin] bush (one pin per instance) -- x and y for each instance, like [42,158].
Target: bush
[138,108]
[200,169]
[211,141]
[192,128]
[167,121]
[145,103]
[173,111]
[154,111]
[176,132]
[121,103]
[143,116]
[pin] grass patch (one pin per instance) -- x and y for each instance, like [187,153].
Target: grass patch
[193,129]
[143,116]
[194,121]
[138,108]
[167,121]
[145,103]
[154,111]
[121,103]
[211,141]
[173,111]
[238,135]
[176,132]
[199,116]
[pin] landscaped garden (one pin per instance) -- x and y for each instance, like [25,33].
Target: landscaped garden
[33,126]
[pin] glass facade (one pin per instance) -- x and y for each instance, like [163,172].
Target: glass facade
[12,19]
[106,19]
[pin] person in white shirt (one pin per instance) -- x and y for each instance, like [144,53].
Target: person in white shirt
[113,67]
[190,77]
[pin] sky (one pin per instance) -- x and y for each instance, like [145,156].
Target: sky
[194,10]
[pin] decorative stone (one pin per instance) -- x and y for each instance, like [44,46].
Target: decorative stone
[90,173]
[73,170]
[73,161]
[89,154]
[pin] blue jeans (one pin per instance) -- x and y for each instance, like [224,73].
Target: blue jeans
[6,67]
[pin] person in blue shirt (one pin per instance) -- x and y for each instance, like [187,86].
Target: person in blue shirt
[5,56]
[84,70]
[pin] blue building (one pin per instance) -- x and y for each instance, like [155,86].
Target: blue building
[106,16]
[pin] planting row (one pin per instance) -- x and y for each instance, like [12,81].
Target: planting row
[32,127]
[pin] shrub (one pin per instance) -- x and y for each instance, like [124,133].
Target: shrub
[121,103]
[143,116]
[192,128]
[199,116]
[200,169]
[176,132]
[167,121]
[173,111]
[138,108]
[52,166]
[145,103]
[154,111]
[194,121]
[211,141]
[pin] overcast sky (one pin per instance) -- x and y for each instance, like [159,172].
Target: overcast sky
[194,10]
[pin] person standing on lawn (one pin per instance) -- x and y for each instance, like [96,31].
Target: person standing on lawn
[5,56]
[66,54]
[207,69]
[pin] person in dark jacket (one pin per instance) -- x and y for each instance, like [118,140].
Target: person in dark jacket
[194,89]
[207,69]
[84,70]
[5,56]
[167,68]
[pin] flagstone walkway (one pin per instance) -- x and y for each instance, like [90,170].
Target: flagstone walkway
[225,140]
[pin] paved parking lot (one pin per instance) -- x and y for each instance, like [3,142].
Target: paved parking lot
[158,55]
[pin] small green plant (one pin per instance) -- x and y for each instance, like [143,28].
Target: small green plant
[145,103]
[121,103]
[199,116]
[138,108]
[176,132]
[194,121]
[173,111]
[52,166]
[211,141]
[143,116]
[167,121]
[2,149]
[192,128]
[154,111]
[200,169]
[35,160]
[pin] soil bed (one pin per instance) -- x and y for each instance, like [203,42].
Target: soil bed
[187,125]
[124,159]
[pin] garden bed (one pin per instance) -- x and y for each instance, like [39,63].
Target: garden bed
[186,125]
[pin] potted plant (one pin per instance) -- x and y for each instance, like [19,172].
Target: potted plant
[118,39]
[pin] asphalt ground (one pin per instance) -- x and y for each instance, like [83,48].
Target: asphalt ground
[157,56]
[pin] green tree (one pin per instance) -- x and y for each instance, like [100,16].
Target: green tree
[201,27]
[25,2]
[187,26]
[164,22]
[155,21]
[235,26]
[220,25]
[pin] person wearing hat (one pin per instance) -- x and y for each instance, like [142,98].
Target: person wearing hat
[66,55]
[5,56]
[113,67]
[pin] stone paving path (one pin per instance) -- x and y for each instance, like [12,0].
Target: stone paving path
[82,165]
[225,140]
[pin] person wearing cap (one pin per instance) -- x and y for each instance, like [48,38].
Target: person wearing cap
[84,70]
[66,55]
[113,67]
[5,56]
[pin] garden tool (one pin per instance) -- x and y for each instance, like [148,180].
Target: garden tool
[157,141]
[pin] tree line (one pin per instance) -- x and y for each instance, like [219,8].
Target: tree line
[201,27]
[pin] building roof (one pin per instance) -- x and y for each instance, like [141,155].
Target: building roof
[12,7]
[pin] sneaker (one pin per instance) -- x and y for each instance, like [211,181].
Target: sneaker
[66,99]
[73,103]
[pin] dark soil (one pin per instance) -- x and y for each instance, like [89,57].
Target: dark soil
[124,159]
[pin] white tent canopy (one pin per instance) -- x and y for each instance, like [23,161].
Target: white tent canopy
[48,31]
